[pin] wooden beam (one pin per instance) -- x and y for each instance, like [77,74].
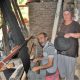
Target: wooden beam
[56,20]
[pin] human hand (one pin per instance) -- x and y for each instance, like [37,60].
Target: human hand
[1,64]
[35,60]
[34,69]
[68,35]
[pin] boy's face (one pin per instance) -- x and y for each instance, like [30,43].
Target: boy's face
[42,39]
[67,15]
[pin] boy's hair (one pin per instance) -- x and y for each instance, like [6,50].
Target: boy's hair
[69,10]
[43,33]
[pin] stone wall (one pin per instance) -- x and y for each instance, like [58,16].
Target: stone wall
[41,17]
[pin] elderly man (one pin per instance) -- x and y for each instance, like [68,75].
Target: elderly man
[49,59]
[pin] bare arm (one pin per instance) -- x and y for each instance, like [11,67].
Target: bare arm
[74,35]
[48,65]
[45,66]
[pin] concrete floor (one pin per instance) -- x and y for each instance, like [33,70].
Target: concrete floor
[77,71]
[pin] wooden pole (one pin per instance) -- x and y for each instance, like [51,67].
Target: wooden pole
[56,20]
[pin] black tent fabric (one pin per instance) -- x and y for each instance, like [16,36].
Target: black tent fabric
[8,73]
[10,18]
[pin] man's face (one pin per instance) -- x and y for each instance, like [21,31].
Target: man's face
[42,39]
[67,16]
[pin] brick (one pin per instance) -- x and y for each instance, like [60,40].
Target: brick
[41,16]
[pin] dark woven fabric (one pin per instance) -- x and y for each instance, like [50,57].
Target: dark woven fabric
[8,73]
[63,44]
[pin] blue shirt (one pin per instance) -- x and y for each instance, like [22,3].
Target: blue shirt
[50,52]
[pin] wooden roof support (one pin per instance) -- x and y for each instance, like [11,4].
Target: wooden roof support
[56,20]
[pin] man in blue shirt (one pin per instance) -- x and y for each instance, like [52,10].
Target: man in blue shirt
[49,59]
